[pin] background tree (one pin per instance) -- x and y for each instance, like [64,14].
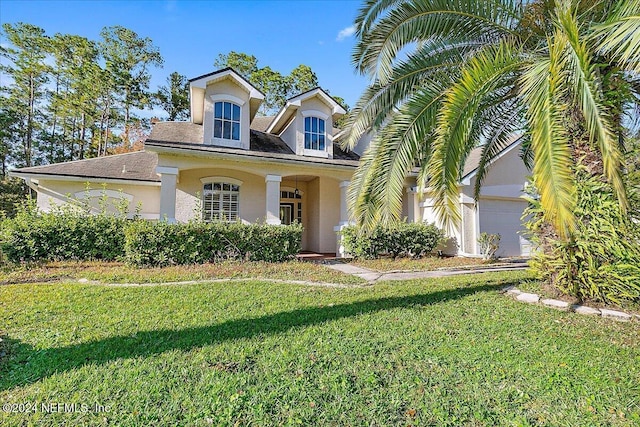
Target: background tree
[276,87]
[29,75]
[174,97]
[128,58]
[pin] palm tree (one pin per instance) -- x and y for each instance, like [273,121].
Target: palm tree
[450,75]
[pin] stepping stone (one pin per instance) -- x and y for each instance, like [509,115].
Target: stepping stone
[83,280]
[617,315]
[526,297]
[583,309]
[514,291]
[555,303]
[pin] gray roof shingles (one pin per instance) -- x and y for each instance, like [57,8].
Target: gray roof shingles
[136,166]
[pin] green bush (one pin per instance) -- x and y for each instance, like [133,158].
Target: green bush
[601,261]
[400,239]
[66,234]
[161,244]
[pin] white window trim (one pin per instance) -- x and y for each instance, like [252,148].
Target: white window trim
[225,179]
[311,152]
[222,180]
[315,113]
[233,143]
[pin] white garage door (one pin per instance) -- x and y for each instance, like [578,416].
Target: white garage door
[503,217]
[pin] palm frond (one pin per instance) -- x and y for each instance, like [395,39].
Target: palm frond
[542,92]
[489,70]
[581,83]
[414,21]
[619,36]
[434,60]
[391,156]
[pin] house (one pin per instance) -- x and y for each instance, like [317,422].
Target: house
[229,164]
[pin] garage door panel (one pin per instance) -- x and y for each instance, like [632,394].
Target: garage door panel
[503,217]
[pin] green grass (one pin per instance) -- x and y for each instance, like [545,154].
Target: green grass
[114,272]
[452,352]
[418,264]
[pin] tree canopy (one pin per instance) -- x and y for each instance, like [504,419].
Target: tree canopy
[276,87]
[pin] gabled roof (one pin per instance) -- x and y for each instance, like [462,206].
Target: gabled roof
[198,86]
[137,166]
[473,159]
[286,113]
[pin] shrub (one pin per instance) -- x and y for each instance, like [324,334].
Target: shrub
[66,234]
[161,244]
[601,261]
[400,239]
[489,245]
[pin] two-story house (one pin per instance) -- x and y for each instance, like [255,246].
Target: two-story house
[229,164]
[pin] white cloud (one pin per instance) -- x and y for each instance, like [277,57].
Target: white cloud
[346,32]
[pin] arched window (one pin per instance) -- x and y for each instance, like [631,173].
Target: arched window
[226,120]
[220,200]
[314,136]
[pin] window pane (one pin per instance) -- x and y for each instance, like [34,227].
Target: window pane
[218,110]
[307,140]
[226,130]
[217,128]
[235,131]
[236,113]
[307,124]
[227,111]
[314,124]
[321,125]
[314,141]
[207,186]
[321,142]
[217,186]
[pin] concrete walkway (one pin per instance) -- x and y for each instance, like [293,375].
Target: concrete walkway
[374,276]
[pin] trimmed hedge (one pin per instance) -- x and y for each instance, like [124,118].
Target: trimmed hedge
[161,244]
[398,240]
[62,235]
[71,234]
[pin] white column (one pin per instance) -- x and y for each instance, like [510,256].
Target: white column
[412,205]
[344,208]
[273,199]
[344,218]
[168,180]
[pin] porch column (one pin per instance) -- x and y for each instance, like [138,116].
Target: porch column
[412,205]
[344,209]
[168,180]
[273,199]
[344,219]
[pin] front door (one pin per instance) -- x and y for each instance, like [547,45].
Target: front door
[286,213]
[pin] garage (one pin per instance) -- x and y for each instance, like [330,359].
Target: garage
[503,217]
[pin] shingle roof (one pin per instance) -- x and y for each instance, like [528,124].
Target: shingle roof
[261,123]
[137,166]
[260,141]
[176,132]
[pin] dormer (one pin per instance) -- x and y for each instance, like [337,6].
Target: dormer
[305,123]
[224,103]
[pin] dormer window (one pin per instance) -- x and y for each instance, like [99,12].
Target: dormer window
[226,120]
[314,134]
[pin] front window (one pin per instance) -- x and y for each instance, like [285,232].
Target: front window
[226,120]
[220,201]
[314,133]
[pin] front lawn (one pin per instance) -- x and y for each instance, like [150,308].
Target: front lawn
[431,352]
[116,272]
[418,264]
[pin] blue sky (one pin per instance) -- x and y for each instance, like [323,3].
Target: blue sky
[190,34]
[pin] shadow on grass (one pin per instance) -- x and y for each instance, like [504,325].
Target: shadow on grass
[21,364]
